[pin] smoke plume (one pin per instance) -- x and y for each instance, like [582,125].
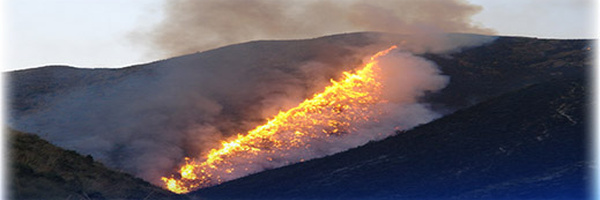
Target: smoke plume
[191,26]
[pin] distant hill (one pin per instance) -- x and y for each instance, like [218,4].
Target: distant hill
[527,144]
[40,170]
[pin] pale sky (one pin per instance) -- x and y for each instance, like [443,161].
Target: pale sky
[97,33]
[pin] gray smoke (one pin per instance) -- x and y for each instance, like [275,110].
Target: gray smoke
[197,25]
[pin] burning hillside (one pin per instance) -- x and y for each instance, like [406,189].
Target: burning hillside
[343,108]
[333,112]
[190,100]
[194,103]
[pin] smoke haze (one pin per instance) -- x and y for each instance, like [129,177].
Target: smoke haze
[191,26]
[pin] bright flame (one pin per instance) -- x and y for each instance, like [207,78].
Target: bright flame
[333,112]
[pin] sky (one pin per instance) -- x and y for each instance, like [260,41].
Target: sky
[98,33]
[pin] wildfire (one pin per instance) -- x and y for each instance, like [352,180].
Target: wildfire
[333,112]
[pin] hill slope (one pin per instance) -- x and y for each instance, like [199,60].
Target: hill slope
[41,170]
[507,64]
[144,119]
[525,144]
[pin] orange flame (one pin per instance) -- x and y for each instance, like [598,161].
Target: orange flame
[329,113]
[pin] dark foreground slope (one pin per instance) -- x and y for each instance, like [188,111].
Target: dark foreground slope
[529,143]
[41,170]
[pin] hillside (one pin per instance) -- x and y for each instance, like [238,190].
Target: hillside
[160,112]
[526,144]
[143,120]
[40,170]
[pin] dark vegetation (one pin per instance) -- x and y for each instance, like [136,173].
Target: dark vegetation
[40,170]
[507,64]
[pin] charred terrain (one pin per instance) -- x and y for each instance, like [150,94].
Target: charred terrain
[514,123]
